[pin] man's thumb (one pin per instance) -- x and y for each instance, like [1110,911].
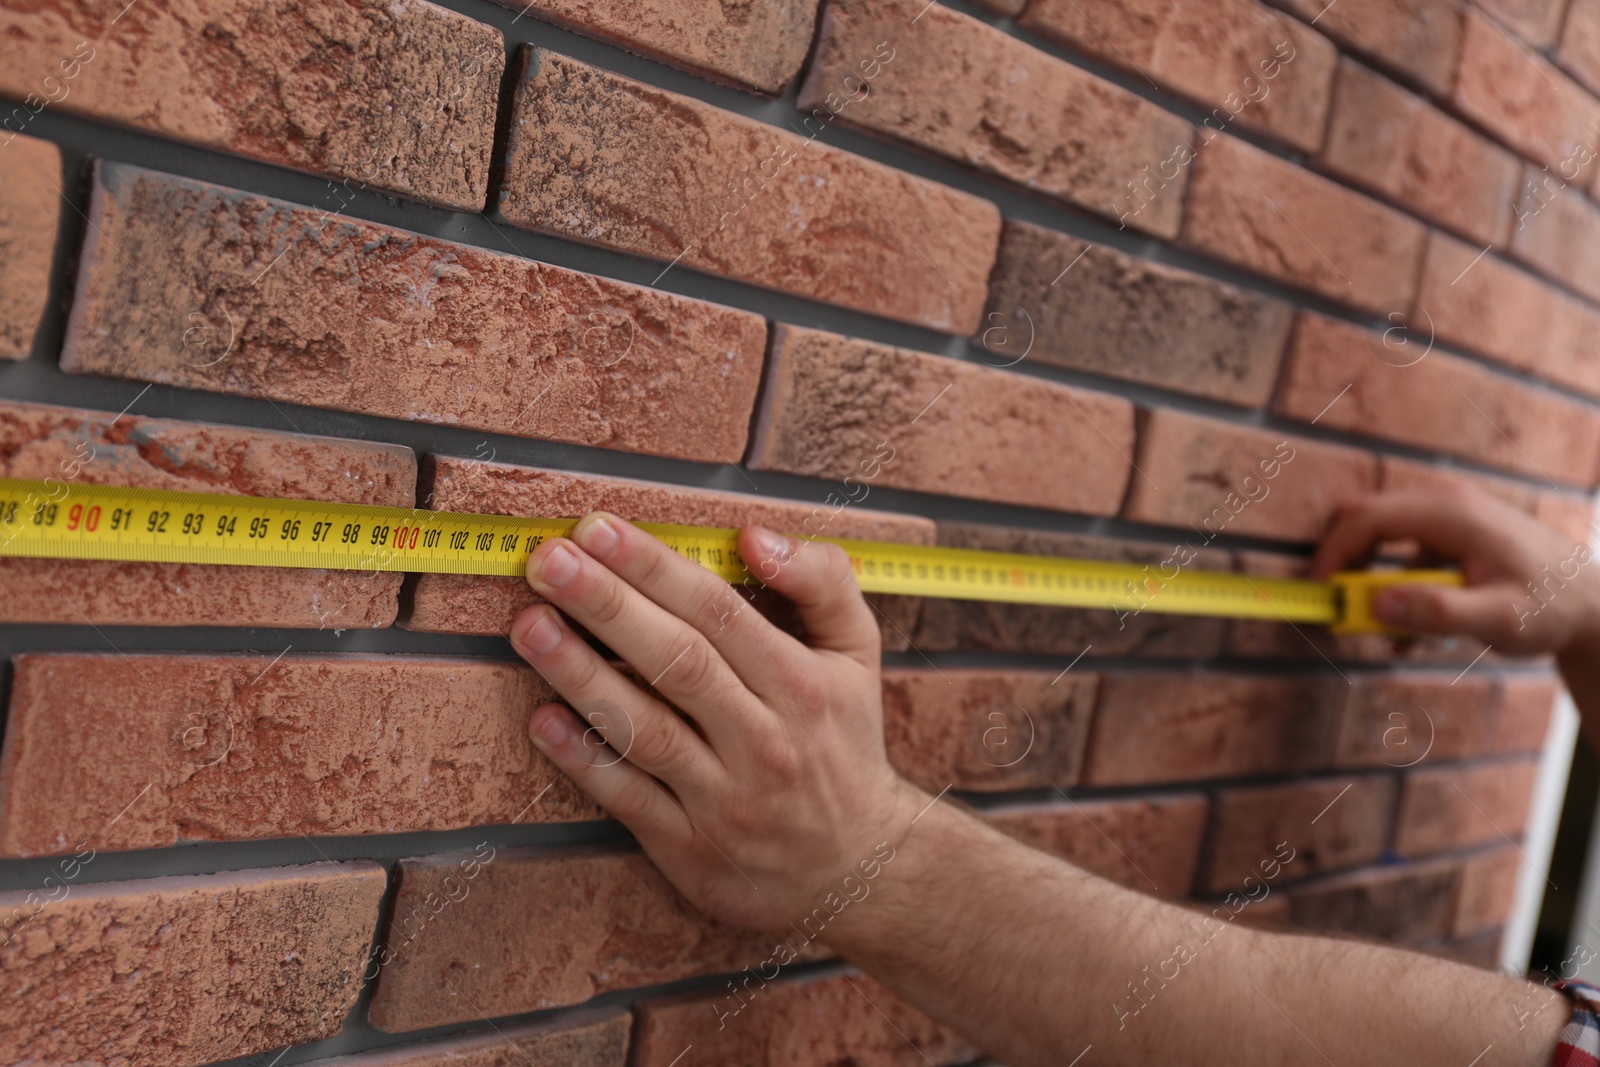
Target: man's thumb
[1443,609]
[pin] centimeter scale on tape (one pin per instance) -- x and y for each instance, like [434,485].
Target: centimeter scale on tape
[58,520]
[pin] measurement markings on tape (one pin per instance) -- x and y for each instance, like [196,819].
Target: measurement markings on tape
[61,521]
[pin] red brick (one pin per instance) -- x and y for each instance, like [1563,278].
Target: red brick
[38,441]
[1257,211]
[1396,474]
[593,1038]
[1169,727]
[454,603]
[1458,807]
[845,1019]
[1331,824]
[1063,301]
[832,402]
[184,971]
[1406,904]
[360,317]
[1403,149]
[1279,640]
[30,212]
[1537,22]
[1558,232]
[757,46]
[396,95]
[1483,304]
[596,157]
[1202,474]
[235,747]
[1416,41]
[1439,402]
[530,929]
[1579,51]
[1417,720]
[945,625]
[1148,843]
[986,730]
[1522,99]
[1488,892]
[1248,63]
[1524,717]
[1570,514]
[966,91]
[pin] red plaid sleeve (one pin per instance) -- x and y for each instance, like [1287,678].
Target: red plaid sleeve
[1579,1044]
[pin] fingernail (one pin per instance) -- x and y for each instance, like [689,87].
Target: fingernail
[596,536]
[550,730]
[542,635]
[773,546]
[558,567]
[1391,606]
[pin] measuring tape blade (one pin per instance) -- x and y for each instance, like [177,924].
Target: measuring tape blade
[59,520]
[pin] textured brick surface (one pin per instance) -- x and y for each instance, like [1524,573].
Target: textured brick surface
[1252,66]
[1330,823]
[540,929]
[1520,98]
[1150,843]
[945,625]
[1457,807]
[1403,149]
[241,747]
[1409,475]
[182,284]
[1558,232]
[599,158]
[1440,402]
[1214,477]
[1579,51]
[987,730]
[966,91]
[1057,299]
[1257,211]
[395,94]
[454,603]
[753,46]
[38,441]
[1401,721]
[1166,727]
[1537,22]
[1417,41]
[1488,306]
[1407,904]
[596,1038]
[171,972]
[1488,891]
[1481,950]
[954,428]
[30,210]
[849,1019]
[1524,717]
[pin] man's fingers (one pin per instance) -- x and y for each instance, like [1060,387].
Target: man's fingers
[1444,523]
[1487,613]
[818,578]
[670,655]
[628,793]
[746,640]
[638,727]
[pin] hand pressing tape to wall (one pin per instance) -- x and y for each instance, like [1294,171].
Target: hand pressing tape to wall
[52,520]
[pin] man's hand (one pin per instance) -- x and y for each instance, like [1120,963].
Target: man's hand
[757,778]
[1529,590]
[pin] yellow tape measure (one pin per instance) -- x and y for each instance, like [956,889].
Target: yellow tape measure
[59,520]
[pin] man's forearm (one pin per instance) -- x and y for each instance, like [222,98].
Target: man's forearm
[1035,960]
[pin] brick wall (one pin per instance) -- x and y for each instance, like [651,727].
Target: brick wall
[1101,278]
